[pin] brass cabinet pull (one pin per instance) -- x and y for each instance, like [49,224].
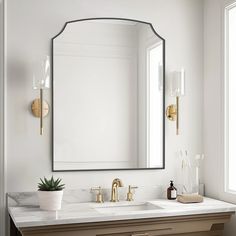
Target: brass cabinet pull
[140,234]
[147,234]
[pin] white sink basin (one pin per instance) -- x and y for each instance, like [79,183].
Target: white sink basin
[145,206]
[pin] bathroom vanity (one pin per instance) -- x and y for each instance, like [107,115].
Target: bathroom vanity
[147,218]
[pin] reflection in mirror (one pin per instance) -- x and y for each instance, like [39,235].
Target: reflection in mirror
[108,79]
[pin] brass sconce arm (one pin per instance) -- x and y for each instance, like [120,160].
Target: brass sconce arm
[40,109]
[177,115]
[41,113]
[172,113]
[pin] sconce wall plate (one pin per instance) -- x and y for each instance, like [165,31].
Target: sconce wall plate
[36,108]
[171,112]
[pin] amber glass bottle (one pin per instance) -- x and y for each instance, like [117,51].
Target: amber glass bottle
[171,191]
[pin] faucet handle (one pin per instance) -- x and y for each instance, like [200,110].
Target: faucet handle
[99,196]
[130,193]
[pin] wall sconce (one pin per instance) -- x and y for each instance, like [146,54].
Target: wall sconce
[177,89]
[41,81]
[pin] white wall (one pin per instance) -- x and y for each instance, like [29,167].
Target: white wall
[213,78]
[30,26]
[212,99]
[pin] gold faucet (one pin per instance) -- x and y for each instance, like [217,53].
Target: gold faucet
[114,189]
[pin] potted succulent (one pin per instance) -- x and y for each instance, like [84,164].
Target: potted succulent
[50,192]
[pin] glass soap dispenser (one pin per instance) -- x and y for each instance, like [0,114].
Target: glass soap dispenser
[172,191]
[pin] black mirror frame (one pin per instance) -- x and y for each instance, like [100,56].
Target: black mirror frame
[52,97]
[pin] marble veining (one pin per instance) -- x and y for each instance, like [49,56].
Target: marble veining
[29,216]
[85,195]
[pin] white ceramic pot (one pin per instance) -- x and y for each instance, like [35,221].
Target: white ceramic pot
[50,200]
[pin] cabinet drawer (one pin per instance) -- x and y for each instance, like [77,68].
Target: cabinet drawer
[198,225]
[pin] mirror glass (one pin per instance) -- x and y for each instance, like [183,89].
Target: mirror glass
[108,96]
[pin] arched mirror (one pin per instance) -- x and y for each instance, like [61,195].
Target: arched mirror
[108,96]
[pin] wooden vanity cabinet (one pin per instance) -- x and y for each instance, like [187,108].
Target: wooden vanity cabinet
[195,225]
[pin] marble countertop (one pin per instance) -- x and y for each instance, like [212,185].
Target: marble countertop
[30,216]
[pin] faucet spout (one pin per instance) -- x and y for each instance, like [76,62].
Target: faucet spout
[114,189]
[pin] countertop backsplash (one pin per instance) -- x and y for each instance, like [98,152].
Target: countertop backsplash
[142,193]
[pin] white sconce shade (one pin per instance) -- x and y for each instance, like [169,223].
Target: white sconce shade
[41,74]
[177,83]
[41,81]
[177,89]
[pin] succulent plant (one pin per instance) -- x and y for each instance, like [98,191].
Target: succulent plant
[50,184]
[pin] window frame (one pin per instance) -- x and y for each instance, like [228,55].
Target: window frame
[225,193]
